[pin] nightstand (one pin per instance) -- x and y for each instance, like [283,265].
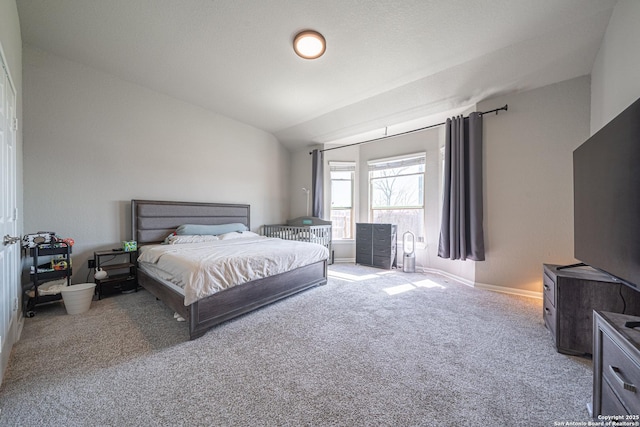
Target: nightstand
[121,269]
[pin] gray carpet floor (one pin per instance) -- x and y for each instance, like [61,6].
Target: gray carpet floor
[370,348]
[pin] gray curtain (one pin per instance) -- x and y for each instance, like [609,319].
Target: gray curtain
[317,178]
[461,233]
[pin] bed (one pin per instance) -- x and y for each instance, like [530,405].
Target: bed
[152,221]
[303,229]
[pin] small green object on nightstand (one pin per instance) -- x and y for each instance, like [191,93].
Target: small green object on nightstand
[129,245]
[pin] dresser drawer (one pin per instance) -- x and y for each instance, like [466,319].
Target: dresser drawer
[381,229]
[611,405]
[364,239]
[382,250]
[549,289]
[364,232]
[383,242]
[549,315]
[382,262]
[622,374]
[364,257]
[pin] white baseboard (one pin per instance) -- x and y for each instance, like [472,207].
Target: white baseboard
[512,291]
[446,274]
[20,327]
[13,336]
[493,288]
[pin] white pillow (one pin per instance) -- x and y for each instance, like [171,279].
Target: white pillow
[166,239]
[190,238]
[237,235]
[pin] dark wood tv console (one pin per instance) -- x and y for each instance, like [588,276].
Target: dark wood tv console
[571,295]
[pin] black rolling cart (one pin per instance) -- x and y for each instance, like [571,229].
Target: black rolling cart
[51,261]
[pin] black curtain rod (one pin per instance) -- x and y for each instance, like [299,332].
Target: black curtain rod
[495,110]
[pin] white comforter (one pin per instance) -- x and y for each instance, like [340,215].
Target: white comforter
[203,269]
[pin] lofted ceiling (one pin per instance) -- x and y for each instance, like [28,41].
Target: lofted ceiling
[387,63]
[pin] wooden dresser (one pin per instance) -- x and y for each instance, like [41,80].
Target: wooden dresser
[616,366]
[571,295]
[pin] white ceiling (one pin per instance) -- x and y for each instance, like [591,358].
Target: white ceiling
[387,62]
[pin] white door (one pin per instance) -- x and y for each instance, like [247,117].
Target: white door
[9,244]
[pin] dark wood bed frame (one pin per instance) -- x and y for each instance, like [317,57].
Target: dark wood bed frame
[152,221]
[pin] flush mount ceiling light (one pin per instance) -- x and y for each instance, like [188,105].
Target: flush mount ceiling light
[309,44]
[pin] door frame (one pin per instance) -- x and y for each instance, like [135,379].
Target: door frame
[13,305]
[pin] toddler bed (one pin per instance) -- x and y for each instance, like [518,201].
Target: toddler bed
[303,229]
[153,221]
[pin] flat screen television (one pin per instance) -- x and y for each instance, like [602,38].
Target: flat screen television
[606,180]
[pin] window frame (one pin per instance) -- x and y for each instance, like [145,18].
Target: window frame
[408,160]
[343,166]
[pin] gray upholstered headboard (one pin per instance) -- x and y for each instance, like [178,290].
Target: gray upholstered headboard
[153,220]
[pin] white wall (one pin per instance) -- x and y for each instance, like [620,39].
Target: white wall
[11,42]
[93,142]
[615,78]
[300,177]
[528,182]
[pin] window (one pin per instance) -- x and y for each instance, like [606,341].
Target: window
[342,174]
[396,193]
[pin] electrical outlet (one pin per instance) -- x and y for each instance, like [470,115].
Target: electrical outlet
[92,263]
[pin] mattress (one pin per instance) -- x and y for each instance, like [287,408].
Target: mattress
[152,271]
[202,269]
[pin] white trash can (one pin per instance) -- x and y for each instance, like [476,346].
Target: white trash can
[77,298]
